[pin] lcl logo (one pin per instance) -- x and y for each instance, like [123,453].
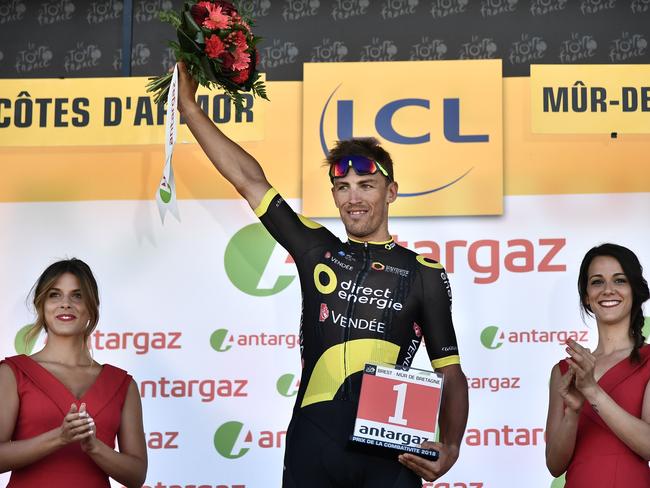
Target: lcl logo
[386,130]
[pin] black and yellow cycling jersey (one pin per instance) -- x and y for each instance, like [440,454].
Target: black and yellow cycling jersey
[362,302]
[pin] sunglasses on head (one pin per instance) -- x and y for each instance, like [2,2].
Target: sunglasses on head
[361,165]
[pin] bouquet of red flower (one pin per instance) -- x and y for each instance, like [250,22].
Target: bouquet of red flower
[218,48]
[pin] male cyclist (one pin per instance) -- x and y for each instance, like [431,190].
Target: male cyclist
[364,300]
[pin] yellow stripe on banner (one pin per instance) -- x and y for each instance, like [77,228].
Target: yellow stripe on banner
[442,362]
[266,201]
[534,164]
[109,111]
[329,373]
[133,172]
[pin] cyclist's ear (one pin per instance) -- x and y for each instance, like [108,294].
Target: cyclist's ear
[391,193]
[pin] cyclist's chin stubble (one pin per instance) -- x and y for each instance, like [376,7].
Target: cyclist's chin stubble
[361,228]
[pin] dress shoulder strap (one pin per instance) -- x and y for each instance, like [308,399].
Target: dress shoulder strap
[41,379]
[111,386]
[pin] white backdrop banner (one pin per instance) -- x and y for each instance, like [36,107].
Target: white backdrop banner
[210,332]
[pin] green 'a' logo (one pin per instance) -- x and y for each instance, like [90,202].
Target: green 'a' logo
[217,340]
[21,345]
[490,337]
[165,195]
[646,328]
[247,256]
[165,190]
[287,385]
[227,440]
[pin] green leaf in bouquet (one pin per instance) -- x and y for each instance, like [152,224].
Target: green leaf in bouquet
[208,68]
[227,84]
[195,69]
[176,48]
[170,17]
[260,90]
[194,60]
[189,24]
[237,99]
[187,43]
[159,86]
[248,84]
[254,41]
[246,14]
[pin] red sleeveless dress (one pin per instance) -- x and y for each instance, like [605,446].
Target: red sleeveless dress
[44,401]
[600,459]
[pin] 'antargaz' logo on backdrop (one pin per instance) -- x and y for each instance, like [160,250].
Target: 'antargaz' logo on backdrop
[490,337]
[232,440]
[217,340]
[252,265]
[222,340]
[287,385]
[229,441]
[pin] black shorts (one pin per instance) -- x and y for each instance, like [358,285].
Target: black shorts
[318,454]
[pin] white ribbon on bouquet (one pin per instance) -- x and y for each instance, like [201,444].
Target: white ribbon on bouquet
[166,194]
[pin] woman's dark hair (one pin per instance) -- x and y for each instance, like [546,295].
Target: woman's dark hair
[367,147]
[634,273]
[46,282]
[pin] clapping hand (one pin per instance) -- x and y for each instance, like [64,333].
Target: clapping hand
[583,363]
[572,397]
[89,440]
[76,426]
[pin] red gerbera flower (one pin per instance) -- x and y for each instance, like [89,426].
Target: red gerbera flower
[200,12]
[241,76]
[227,7]
[214,46]
[238,39]
[238,21]
[217,19]
[227,60]
[242,60]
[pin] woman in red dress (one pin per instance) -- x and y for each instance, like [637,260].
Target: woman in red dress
[598,426]
[60,411]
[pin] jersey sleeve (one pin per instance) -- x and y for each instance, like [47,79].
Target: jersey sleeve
[296,233]
[435,314]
